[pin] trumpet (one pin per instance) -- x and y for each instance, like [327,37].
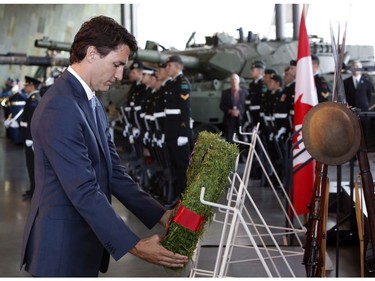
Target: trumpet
[5,101]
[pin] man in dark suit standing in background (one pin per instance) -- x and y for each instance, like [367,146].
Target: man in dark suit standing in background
[232,103]
[358,91]
[72,228]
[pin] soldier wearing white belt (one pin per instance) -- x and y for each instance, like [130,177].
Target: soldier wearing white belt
[31,89]
[177,128]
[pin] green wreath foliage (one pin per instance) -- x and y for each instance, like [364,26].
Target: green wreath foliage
[211,162]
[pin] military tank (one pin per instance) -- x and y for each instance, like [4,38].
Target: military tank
[209,65]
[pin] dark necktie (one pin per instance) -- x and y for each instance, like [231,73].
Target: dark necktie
[356,83]
[235,97]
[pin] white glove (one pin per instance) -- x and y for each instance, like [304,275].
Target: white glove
[154,140]
[136,132]
[161,141]
[28,143]
[182,141]
[145,138]
[270,137]
[281,132]
[125,132]
[7,123]
[191,123]
[131,139]
[14,124]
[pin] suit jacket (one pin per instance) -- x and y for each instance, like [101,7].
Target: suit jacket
[72,228]
[360,97]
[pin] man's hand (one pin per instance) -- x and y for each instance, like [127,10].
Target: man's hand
[150,250]
[165,218]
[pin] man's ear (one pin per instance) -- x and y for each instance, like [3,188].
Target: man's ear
[91,53]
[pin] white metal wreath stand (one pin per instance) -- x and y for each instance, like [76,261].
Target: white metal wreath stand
[237,214]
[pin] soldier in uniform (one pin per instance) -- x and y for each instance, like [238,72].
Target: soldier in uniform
[135,77]
[289,92]
[16,103]
[4,105]
[32,91]
[256,89]
[165,181]
[275,119]
[177,129]
[266,95]
[145,102]
[159,103]
[323,89]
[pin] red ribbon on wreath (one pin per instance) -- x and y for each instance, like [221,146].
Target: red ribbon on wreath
[188,219]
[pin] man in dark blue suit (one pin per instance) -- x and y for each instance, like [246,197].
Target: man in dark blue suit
[72,228]
[358,88]
[358,91]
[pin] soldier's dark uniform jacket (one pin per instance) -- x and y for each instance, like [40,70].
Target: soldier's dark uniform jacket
[133,98]
[141,104]
[177,108]
[281,108]
[159,105]
[257,91]
[288,97]
[322,88]
[31,103]
[271,102]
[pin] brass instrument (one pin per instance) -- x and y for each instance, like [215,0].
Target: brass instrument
[5,101]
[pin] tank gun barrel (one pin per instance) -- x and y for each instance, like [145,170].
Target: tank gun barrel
[23,59]
[52,45]
[153,56]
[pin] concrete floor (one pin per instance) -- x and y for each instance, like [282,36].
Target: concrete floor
[13,212]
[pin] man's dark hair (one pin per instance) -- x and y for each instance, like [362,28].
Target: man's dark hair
[105,34]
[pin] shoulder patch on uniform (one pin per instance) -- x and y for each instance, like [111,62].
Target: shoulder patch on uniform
[184,86]
[184,97]
[325,94]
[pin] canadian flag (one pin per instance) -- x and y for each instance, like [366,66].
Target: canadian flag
[305,98]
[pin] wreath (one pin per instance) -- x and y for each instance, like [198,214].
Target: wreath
[211,162]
